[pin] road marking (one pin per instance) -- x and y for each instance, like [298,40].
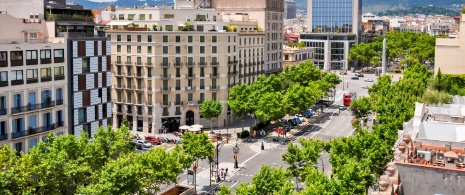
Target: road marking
[234,184]
[251,158]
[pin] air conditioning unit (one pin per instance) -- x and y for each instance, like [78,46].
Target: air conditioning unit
[440,156]
[461,159]
[424,155]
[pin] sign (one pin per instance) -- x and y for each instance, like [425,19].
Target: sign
[190,176]
[262,132]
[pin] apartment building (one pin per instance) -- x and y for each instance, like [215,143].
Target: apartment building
[33,85]
[297,55]
[449,53]
[166,64]
[269,15]
[86,75]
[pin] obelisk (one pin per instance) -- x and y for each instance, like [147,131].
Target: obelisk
[384,58]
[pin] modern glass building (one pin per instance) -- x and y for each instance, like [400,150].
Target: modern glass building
[333,27]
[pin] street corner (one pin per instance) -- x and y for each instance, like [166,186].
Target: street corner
[257,147]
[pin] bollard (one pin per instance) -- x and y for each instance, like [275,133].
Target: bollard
[263,146]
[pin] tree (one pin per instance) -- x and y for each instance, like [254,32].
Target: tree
[238,101]
[268,180]
[198,147]
[360,107]
[436,97]
[211,109]
[225,190]
[299,98]
[317,183]
[301,45]
[270,107]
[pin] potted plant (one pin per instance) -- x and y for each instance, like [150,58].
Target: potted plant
[154,27]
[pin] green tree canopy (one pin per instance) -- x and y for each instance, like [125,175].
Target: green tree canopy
[270,107]
[211,109]
[238,101]
[269,180]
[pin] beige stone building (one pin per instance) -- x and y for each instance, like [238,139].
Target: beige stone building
[449,54]
[297,55]
[162,75]
[33,87]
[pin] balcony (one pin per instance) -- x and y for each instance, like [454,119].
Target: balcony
[59,77]
[214,63]
[3,63]
[138,74]
[4,84]
[190,63]
[165,89]
[119,86]
[118,63]
[232,62]
[276,70]
[165,113]
[128,63]
[32,107]
[191,76]
[59,102]
[45,60]
[190,88]
[3,137]
[148,63]
[33,131]
[232,85]
[66,17]
[138,64]
[214,87]
[32,62]
[178,113]
[178,64]
[17,62]
[241,65]
[17,82]
[188,103]
[232,73]
[214,75]
[165,104]
[149,88]
[165,64]
[33,80]
[202,87]
[45,79]
[177,103]
[165,76]
[202,63]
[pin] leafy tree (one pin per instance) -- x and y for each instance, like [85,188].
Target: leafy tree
[270,107]
[303,74]
[238,101]
[301,45]
[437,97]
[352,178]
[317,183]
[299,98]
[360,107]
[224,190]
[211,109]
[268,180]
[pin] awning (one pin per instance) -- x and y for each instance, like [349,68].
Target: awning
[119,23]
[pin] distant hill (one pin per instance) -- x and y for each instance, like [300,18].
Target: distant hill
[426,10]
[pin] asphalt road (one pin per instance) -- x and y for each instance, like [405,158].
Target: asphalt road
[328,125]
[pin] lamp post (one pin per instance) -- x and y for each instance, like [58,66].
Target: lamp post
[218,148]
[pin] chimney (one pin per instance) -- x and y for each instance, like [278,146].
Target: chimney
[447,147]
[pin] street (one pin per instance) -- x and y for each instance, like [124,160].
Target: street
[326,126]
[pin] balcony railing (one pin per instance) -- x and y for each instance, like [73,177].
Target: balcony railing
[190,63]
[165,89]
[33,131]
[3,137]
[118,62]
[3,111]
[32,107]
[4,84]
[65,17]
[165,104]
[214,63]
[138,63]
[165,113]
[191,102]
[165,64]
[59,102]
[178,113]
[165,76]
[59,77]
[177,103]
[214,87]
[45,79]
[33,80]
[190,75]
[232,73]
[214,75]
[202,63]
[17,82]
[178,64]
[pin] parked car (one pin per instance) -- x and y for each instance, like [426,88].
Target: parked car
[144,143]
[292,122]
[364,87]
[138,146]
[342,107]
[368,80]
[297,120]
[359,75]
[301,117]
[308,113]
[354,78]
[343,73]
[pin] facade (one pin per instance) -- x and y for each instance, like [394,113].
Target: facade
[297,55]
[333,27]
[449,53]
[33,92]
[162,75]
[269,15]
[290,9]
[373,26]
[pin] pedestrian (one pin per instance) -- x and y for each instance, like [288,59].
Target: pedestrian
[226,173]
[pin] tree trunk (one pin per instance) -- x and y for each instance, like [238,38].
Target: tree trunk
[242,122]
[211,125]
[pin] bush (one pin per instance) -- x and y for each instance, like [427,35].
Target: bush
[243,134]
[260,125]
[398,71]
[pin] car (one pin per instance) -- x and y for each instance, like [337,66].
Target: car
[138,146]
[364,87]
[301,117]
[343,73]
[144,143]
[359,75]
[354,78]
[342,107]
[297,121]
[368,80]
[308,113]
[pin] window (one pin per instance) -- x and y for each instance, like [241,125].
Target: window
[59,55]
[86,65]
[165,39]
[202,83]
[202,97]
[32,74]
[139,49]
[149,37]
[165,49]
[178,72]
[190,97]
[45,56]
[16,55]
[4,76]
[202,39]
[202,49]
[82,115]
[45,72]
[178,84]
[178,39]
[16,75]
[31,55]
[128,37]
[214,39]
[149,49]
[189,39]
[213,49]
[214,96]
[178,49]
[33,36]
[139,38]
[190,49]
[128,49]
[229,38]
[118,48]
[118,37]
[59,71]
[3,58]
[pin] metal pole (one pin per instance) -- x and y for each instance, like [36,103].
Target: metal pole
[217,160]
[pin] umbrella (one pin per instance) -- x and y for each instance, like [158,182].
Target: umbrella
[451,154]
[194,129]
[184,127]
[197,126]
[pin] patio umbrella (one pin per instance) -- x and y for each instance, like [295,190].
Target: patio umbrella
[194,129]
[197,126]
[184,127]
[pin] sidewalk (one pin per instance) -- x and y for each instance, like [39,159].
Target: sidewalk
[203,177]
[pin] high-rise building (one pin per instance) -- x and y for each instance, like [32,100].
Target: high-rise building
[166,61]
[54,72]
[334,26]
[269,15]
[290,9]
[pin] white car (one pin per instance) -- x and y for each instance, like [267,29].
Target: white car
[364,87]
[301,117]
[144,143]
[368,80]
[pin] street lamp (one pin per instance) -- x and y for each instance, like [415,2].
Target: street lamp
[218,148]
